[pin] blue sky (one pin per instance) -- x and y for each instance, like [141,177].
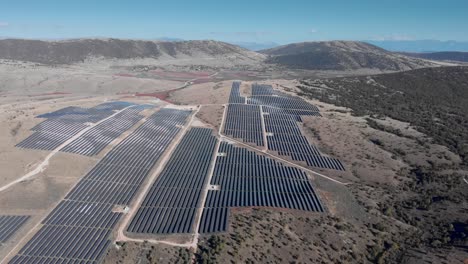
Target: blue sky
[239,20]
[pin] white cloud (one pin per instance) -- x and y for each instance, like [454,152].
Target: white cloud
[312,31]
[4,24]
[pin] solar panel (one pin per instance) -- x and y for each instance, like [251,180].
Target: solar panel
[265,95]
[264,89]
[171,203]
[72,243]
[96,139]
[286,138]
[235,96]
[83,214]
[246,179]
[44,141]
[63,124]
[79,228]
[244,122]
[280,113]
[9,224]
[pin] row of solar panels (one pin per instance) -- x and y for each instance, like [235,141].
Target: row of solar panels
[286,138]
[66,242]
[283,134]
[235,96]
[280,115]
[243,177]
[47,260]
[282,102]
[265,95]
[244,121]
[66,123]
[78,230]
[264,90]
[171,203]
[9,224]
[97,138]
[73,111]
[246,179]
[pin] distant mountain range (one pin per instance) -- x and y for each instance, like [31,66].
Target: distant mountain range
[341,55]
[256,46]
[411,46]
[420,45]
[78,50]
[325,55]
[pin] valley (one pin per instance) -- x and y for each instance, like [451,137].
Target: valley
[326,152]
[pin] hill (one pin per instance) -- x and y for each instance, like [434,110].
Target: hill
[341,55]
[79,50]
[420,45]
[256,46]
[428,195]
[435,100]
[456,56]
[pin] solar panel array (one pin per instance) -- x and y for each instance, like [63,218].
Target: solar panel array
[171,204]
[235,96]
[83,214]
[9,224]
[52,244]
[266,95]
[44,140]
[286,138]
[277,112]
[73,110]
[281,112]
[97,138]
[118,175]
[263,89]
[282,102]
[247,179]
[244,122]
[78,230]
[63,124]
[112,106]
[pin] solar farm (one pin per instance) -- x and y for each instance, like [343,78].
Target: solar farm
[159,176]
[271,118]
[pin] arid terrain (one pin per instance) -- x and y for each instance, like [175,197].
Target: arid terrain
[402,138]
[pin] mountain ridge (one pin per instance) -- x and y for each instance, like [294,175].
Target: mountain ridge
[70,51]
[341,55]
[323,55]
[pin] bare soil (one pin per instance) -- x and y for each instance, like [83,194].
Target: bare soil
[212,115]
[144,253]
[205,93]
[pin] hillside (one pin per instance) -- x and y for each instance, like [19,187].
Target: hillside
[456,56]
[429,196]
[341,55]
[73,51]
[419,97]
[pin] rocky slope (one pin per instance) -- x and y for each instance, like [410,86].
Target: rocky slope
[341,55]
